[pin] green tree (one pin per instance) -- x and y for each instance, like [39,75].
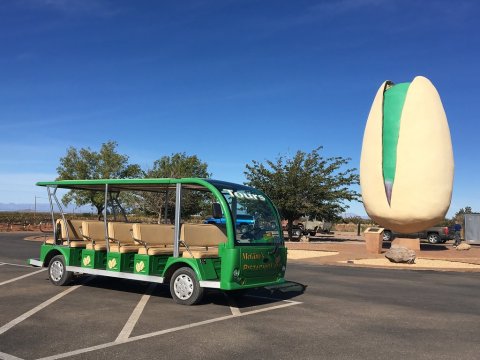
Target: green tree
[88,164]
[459,216]
[307,184]
[178,165]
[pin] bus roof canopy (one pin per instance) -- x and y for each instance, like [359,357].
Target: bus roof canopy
[152,184]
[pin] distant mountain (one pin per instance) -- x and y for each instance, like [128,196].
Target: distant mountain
[352,215]
[40,208]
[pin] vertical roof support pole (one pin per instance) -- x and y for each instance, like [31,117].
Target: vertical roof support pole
[105,217]
[52,214]
[178,195]
[112,204]
[166,206]
[62,213]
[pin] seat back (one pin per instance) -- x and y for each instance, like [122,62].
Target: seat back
[73,227]
[120,231]
[93,230]
[154,234]
[204,235]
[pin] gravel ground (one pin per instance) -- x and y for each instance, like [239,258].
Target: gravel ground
[348,249]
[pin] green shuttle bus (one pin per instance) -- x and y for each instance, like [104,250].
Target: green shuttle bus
[180,249]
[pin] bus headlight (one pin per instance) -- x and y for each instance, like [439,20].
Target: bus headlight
[236,273]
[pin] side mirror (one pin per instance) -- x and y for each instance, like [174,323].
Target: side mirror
[216,210]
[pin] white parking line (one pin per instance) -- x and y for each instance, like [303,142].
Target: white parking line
[233,305]
[36,309]
[269,298]
[21,277]
[6,356]
[21,265]
[132,320]
[167,331]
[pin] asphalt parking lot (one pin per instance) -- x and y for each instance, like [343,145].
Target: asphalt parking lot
[328,312]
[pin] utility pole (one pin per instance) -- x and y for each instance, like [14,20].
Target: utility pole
[35,210]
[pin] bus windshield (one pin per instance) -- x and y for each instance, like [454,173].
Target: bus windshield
[254,216]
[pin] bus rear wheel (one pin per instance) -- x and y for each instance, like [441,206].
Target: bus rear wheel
[185,288]
[57,271]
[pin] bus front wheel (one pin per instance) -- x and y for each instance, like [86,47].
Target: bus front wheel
[185,288]
[57,271]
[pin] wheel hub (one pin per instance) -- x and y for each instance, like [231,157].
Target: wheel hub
[183,286]
[56,271]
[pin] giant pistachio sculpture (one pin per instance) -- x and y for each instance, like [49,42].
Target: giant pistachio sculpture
[406,166]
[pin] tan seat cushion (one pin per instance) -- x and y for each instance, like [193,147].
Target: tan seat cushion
[93,230]
[77,243]
[50,241]
[201,254]
[202,235]
[155,235]
[120,231]
[73,227]
[123,249]
[156,251]
[97,247]
[202,240]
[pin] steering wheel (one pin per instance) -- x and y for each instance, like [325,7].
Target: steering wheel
[254,233]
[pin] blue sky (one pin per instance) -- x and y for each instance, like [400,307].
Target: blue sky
[231,81]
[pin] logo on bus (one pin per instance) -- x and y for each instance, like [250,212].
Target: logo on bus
[87,260]
[112,263]
[139,266]
[244,195]
[251,262]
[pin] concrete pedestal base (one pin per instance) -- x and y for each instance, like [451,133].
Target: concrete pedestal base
[374,240]
[413,244]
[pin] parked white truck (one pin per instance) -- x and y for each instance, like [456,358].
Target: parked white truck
[312,227]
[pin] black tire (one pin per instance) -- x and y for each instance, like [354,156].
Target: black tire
[185,288]
[387,235]
[433,238]
[57,271]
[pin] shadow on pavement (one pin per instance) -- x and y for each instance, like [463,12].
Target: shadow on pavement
[251,298]
[432,247]
[268,295]
[246,298]
[423,246]
[332,239]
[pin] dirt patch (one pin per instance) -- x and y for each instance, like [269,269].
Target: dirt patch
[419,263]
[40,238]
[6,227]
[306,254]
